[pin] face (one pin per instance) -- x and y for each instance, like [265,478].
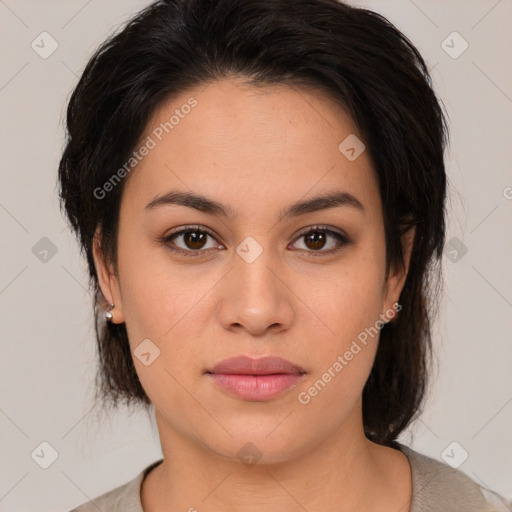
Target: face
[198,283]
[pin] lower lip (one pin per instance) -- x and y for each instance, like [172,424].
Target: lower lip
[255,387]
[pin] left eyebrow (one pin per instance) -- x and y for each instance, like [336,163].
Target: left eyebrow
[212,207]
[322,202]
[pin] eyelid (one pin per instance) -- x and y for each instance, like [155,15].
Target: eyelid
[341,237]
[185,229]
[321,227]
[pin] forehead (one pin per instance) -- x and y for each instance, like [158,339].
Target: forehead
[252,147]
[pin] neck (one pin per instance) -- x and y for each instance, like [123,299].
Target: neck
[344,471]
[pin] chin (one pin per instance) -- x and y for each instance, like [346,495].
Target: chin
[261,446]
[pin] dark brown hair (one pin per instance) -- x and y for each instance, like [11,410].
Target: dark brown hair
[361,61]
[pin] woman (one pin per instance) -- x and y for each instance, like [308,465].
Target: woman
[259,190]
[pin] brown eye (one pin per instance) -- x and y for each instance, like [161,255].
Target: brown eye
[190,241]
[317,238]
[194,239]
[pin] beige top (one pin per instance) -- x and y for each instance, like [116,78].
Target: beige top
[436,487]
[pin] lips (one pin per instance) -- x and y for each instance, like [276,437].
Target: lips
[268,365]
[255,380]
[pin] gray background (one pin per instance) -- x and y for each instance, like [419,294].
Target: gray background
[48,351]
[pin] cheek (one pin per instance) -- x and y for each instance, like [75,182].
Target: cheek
[161,308]
[347,359]
[150,291]
[163,304]
[344,301]
[346,326]
[343,358]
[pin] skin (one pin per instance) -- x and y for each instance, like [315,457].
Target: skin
[257,150]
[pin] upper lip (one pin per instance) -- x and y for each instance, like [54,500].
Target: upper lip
[244,365]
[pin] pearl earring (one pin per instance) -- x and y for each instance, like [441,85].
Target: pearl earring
[108,315]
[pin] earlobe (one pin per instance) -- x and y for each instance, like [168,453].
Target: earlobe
[108,283]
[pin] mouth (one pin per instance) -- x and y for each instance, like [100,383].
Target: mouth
[244,365]
[255,379]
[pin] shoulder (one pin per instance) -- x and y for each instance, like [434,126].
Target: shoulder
[438,486]
[125,498]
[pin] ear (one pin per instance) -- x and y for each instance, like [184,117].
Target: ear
[396,279]
[108,281]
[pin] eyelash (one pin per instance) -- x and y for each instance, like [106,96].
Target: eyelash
[342,239]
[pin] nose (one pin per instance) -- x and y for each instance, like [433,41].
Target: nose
[256,295]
